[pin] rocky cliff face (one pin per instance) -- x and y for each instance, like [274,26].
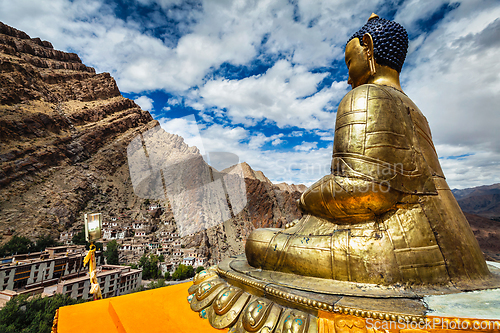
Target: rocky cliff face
[265,205]
[270,205]
[64,134]
[64,131]
[32,70]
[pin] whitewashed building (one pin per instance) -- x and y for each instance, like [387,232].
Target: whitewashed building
[200,261]
[66,237]
[38,269]
[114,280]
[189,261]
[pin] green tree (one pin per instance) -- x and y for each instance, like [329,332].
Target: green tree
[167,276]
[199,269]
[98,246]
[158,284]
[190,272]
[17,244]
[43,242]
[111,253]
[32,316]
[183,272]
[150,267]
[161,258]
[138,289]
[79,238]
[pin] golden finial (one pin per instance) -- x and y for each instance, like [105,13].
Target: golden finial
[372,16]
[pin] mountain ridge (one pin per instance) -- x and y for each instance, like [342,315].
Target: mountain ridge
[65,134]
[480,200]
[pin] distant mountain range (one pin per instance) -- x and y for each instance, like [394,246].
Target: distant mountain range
[482,200]
[481,207]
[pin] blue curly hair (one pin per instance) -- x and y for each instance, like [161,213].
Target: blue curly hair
[390,41]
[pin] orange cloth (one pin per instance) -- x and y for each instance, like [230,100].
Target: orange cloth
[153,311]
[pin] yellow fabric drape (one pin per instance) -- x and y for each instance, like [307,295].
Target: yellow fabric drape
[95,288]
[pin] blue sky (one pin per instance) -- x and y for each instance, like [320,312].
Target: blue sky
[262,79]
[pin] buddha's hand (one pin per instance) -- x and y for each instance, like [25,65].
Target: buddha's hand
[348,200]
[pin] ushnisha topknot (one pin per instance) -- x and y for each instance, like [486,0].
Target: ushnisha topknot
[390,41]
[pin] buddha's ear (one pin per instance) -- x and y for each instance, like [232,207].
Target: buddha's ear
[368,46]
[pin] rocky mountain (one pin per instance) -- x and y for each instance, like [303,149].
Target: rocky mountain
[64,131]
[263,204]
[481,207]
[487,233]
[270,205]
[65,136]
[482,200]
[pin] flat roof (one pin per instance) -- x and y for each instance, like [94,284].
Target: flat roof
[132,271]
[8,292]
[63,247]
[86,277]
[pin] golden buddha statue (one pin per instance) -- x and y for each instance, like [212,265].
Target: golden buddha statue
[378,234]
[385,214]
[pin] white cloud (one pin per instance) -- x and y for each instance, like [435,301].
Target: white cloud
[302,167]
[162,3]
[173,101]
[479,168]
[257,141]
[223,31]
[413,11]
[453,78]
[306,146]
[145,103]
[296,133]
[325,135]
[285,94]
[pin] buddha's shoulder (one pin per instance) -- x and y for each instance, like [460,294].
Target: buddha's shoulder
[357,99]
[372,91]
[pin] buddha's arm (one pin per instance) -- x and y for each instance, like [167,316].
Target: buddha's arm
[347,200]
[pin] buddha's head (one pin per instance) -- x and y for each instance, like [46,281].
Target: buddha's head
[376,51]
